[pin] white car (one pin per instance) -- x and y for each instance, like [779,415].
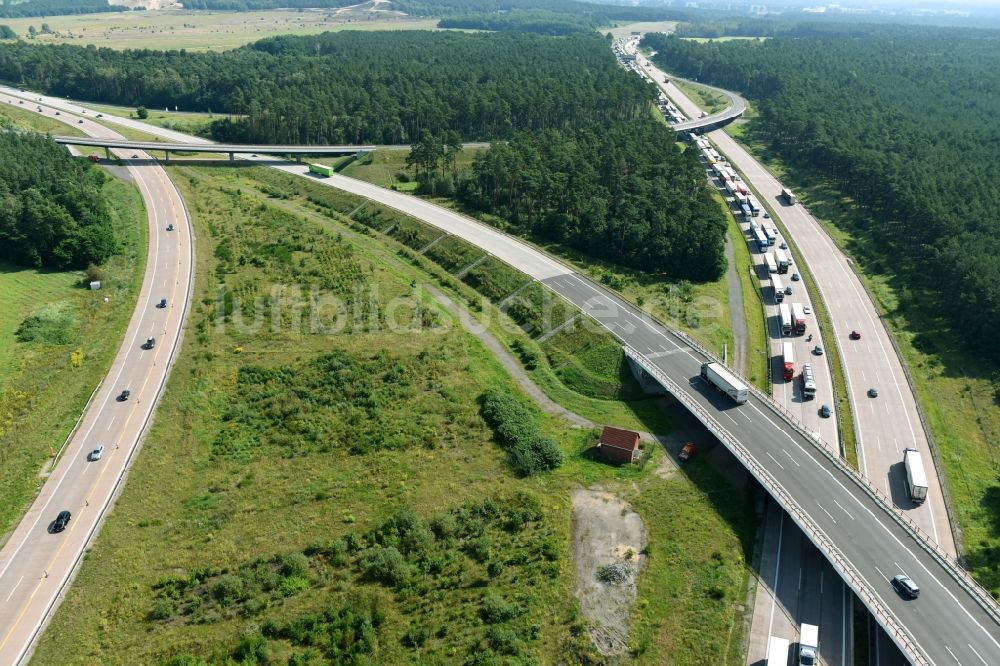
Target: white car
[96,453]
[807,309]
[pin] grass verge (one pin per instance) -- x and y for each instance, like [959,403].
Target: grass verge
[706,99]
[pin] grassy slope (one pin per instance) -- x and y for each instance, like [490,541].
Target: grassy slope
[24,116]
[706,99]
[758,364]
[45,374]
[223,512]
[954,388]
[198,31]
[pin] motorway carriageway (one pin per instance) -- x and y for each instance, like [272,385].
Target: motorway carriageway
[35,564]
[947,624]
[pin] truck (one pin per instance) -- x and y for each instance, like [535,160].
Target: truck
[788,361]
[808,382]
[916,480]
[771,234]
[722,379]
[809,645]
[779,289]
[785,316]
[772,265]
[787,195]
[321,169]
[761,240]
[745,209]
[781,259]
[777,651]
[798,318]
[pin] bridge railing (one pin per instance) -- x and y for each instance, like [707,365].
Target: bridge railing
[893,627]
[954,566]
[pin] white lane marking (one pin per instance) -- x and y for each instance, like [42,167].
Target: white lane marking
[14,588]
[953,655]
[975,652]
[775,460]
[843,509]
[785,451]
[827,513]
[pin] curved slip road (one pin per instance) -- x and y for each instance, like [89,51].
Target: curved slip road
[35,563]
[862,537]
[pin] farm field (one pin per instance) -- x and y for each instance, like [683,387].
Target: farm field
[339,479]
[201,30]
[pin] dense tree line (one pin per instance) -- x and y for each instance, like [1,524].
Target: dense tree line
[56,8]
[6,32]
[539,22]
[52,212]
[622,192]
[902,121]
[604,12]
[355,87]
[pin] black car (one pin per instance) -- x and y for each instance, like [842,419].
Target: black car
[162,303]
[170,227]
[123,396]
[149,344]
[905,586]
[62,520]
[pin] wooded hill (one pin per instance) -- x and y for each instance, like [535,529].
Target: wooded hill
[903,121]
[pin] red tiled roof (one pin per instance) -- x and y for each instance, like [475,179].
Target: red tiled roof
[620,439]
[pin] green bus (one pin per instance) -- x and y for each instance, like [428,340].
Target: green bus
[321,169]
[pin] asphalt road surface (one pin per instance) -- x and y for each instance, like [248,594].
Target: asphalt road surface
[36,563]
[862,538]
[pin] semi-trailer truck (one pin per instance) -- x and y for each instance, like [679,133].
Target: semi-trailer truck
[321,169]
[785,316]
[761,241]
[788,360]
[781,259]
[809,645]
[772,236]
[722,379]
[798,318]
[777,651]
[787,195]
[779,289]
[772,266]
[916,479]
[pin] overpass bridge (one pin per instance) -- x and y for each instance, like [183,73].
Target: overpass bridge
[737,107]
[231,148]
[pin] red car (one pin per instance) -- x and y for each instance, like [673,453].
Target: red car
[855,335]
[686,451]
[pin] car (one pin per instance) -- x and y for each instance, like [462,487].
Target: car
[784,245]
[795,276]
[788,290]
[21,102]
[807,309]
[62,520]
[170,227]
[96,453]
[905,586]
[149,344]
[123,396]
[134,156]
[162,303]
[100,115]
[818,350]
[872,393]
[855,335]
[80,121]
[767,216]
[686,451]
[58,114]
[825,411]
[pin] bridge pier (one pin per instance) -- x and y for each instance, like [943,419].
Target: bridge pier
[166,156]
[231,156]
[107,153]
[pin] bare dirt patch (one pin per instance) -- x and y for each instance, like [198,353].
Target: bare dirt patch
[608,541]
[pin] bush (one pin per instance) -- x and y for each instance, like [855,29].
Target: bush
[497,609]
[516,430]
[386,565]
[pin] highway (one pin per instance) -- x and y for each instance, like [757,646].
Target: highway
[36,564]
[861,536]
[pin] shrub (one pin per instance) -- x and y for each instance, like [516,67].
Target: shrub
[515,429]
[385,565]
[497,609]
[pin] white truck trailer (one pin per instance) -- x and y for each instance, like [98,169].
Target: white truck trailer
[916,479]
[777,651]
[785,318]
[781,259]
[722,379]
[809,645]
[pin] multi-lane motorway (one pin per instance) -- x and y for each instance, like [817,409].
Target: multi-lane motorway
[858,533]
[37,563]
